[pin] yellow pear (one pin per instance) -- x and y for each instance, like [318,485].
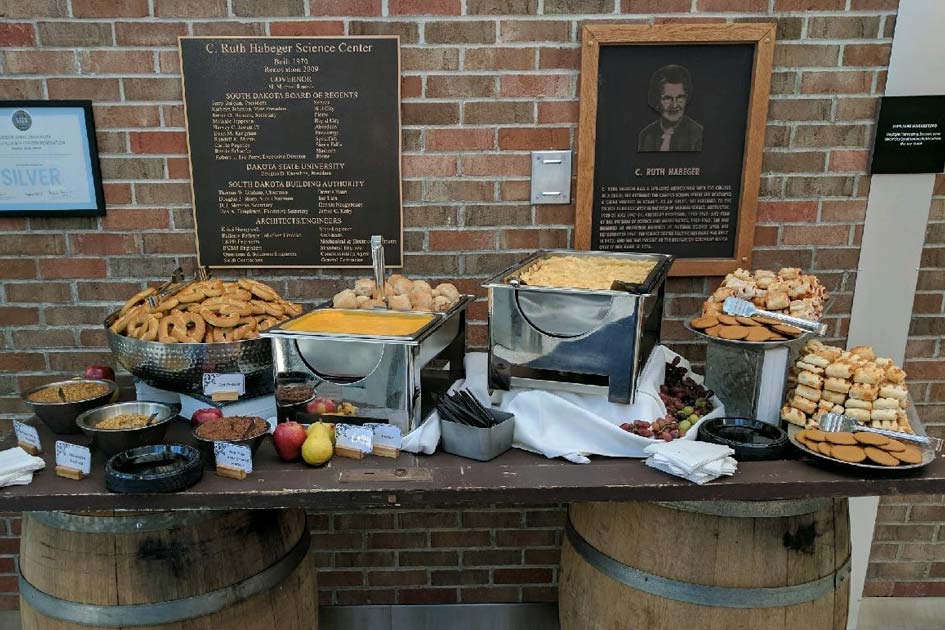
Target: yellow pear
[317,448]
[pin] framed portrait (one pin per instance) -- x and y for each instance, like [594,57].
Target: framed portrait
[670,140]
[49,159]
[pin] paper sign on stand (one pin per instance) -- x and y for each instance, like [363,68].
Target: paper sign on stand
[27,437]
[353,441]
[387,440]
[73,461]
[233,460]
[222,387]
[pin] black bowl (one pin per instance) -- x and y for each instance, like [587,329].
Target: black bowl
[752,440]
[157,468]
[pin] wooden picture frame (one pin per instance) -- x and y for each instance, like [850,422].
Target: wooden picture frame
[761,37]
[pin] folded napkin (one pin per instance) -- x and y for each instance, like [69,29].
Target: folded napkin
[699,462]
[17,466]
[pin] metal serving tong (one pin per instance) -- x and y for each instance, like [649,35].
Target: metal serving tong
[176,284]
[377,261]
[744,308]
[833,422]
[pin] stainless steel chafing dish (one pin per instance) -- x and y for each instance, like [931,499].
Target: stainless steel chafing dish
[574,339]
[388,378]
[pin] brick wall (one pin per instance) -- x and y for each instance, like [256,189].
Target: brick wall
[484,82]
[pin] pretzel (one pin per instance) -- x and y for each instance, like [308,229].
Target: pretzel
[182,328]
[239,308]
[264,323]
[120,325]
[237,293]
[258,289]
[136,299]
[191,294]
[167,305]
[220,321]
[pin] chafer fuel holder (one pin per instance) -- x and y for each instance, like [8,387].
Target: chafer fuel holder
[388,378]
[582,340]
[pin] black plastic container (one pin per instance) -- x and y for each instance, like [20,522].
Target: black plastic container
[752,440]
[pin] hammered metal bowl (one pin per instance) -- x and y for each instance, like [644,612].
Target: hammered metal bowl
[180,367]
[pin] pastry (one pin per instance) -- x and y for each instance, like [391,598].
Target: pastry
[864,391]
[839,369]
[884,415]
[809,393]
[810,379]
[860,415]
[834,397]
[855,403]
[869,374]
[864,352]
[807,406]
[836,384]
[793,416]
[894,390]
[886,403]
[810,367]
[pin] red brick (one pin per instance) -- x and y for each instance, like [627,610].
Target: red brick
[501,7]
[498,112]
[32,244]
[535,85]
[534,31]
[158,142]
[21,89]
[866,54]
[328,579]
[528,575]
[427,596]
[39,62]
[39,293]
[525,538]
[558,112]
[92,89]
[459,139]
[466,538]
[845,210]
[460,32]
[563,58]
[534,239]
[415,577]
[17,268]
[17,34]
[655,6]
[461,240]
[925,370]
[117,116]
[136,219]
[846,161]
[458,85]
[874,5]
[308,28]
[19,362]
[169,243]
[345,7]
[116,61]
[189,8]
[809,5]
[429,165]
[72,268]
[787,211]
[397,540]
[19,315]
[45,338]
[532,139]
[109,8]
[496,164]
[424,7]
[149,33]
[410,87]
[493,58]
[178,168]
[851,82]
[766,235]
[742,6]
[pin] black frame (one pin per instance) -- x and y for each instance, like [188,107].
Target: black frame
[99,210]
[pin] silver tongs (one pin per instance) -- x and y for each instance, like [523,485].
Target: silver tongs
[833,422]
[175,285]
[744,308]
[377,261]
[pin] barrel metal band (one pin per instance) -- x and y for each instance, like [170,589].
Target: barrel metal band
[751,509]
[167,612]
[699,594]
[131,524]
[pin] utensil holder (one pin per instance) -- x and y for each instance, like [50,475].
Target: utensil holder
[477,443]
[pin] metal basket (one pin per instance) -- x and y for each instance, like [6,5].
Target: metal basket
[180,367]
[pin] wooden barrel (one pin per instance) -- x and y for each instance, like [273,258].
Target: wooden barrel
[771,565]
[195,570]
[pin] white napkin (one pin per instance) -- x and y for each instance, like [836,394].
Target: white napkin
[17,466]
[698,462]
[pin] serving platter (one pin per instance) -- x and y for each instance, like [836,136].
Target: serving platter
[928,456]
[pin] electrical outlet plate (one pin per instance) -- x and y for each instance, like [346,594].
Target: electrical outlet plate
[551,177]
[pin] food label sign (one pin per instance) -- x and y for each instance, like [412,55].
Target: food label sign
[73,456]
[294,149]
[223,383]
[353,437]
[27,434]
[233,456]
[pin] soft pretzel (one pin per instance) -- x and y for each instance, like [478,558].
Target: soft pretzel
[137,299]
[220,321]
[258,289]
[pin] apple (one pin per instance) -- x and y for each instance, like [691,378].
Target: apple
[207,414]
[320,406]
[100,373]
[288,439]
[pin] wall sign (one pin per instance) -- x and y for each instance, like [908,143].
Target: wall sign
[49,159]
[294,149]
[670,141]
[910,135]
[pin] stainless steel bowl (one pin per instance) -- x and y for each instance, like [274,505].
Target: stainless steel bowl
[113,441]
[180,367]
[205,446]
[60,416]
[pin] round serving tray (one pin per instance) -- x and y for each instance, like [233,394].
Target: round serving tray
[157,468]
[928,456]
[798,341]
[180,366]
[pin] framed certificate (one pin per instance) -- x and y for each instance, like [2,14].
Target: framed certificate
[49,159]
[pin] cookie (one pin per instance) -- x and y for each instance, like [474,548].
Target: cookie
[733,332]
[816,435]
[727,320]
[870,439]
[746,321]
[880,457]
[893,446]
[825,448]
[840,437]
[767,321]
[790,331]
[909,455]
[758,334]
[713,332]
[701,323]
[801,435]
[776,337]
[853,454]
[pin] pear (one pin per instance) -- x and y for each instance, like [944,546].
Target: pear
[317,448]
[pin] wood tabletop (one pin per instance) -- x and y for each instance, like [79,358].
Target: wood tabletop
[515,478]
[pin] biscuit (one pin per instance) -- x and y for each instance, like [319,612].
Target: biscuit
[790,331]
[793,416]
[758,334]
[848,453]
[893,446]
[701,323]
[835,397]
[880,457]
[840,437]
[909,455]
[810,379]
[860,415]
[801,435]
[864,391]
[807,406]
[746,321]
[733,332]
[727,320]
[776,337]
[816,435]
[870,439]
[825,447]
[836,384]
[714,331]
[767,320]
[807,392]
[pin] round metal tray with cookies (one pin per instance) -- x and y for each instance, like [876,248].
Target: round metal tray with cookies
[740,331]
[861,449]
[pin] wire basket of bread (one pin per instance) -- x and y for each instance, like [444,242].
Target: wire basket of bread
[855,383]
[170,336]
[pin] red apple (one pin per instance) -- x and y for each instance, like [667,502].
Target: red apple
[100,373]
[288,438]
[320,406]
[207,414]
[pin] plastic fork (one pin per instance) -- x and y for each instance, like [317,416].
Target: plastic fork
[833,422]
[744,308]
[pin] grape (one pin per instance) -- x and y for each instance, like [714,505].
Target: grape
[693,419]
[684,425]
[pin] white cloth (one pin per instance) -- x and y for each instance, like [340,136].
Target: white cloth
[698,462]
[17,466]
[564,424]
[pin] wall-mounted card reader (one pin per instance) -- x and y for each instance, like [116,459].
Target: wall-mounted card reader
[551,177]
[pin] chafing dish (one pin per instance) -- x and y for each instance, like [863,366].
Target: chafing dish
[388,378]
[574,339]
